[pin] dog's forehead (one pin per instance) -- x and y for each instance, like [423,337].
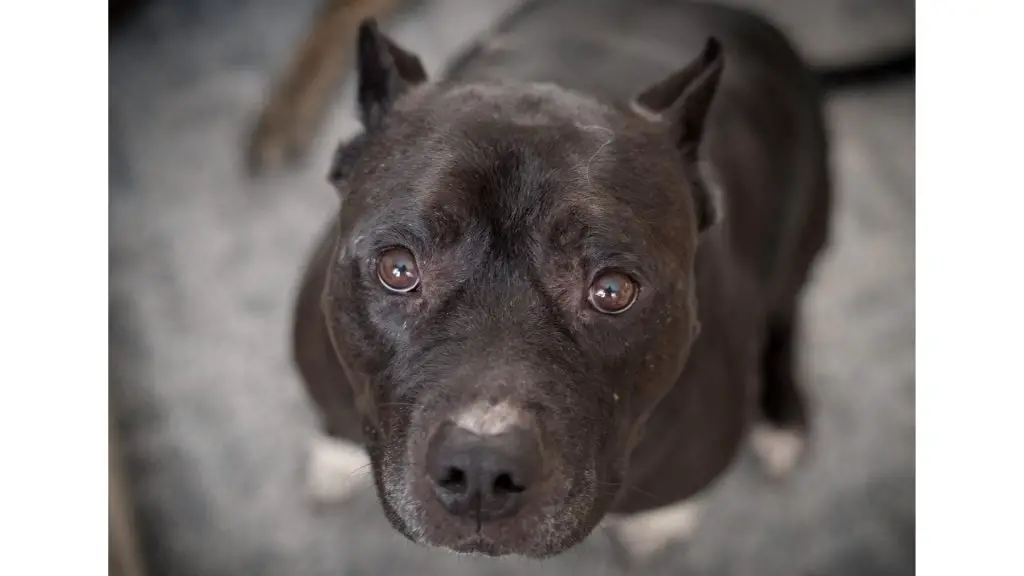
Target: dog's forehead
[530,160]
[528,144]
[520,104]
[556,128]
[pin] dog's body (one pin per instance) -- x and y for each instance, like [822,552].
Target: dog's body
[506,188]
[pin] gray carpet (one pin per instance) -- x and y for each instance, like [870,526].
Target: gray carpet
[204,263]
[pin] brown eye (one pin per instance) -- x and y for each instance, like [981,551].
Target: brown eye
[613,293]
[397,270]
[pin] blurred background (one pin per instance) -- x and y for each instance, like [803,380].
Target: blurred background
[217,190]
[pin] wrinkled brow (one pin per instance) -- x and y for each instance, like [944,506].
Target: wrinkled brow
[599,234]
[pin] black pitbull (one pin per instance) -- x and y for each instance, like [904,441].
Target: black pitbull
[565,279]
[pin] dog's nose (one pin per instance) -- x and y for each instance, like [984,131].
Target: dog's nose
[483,475]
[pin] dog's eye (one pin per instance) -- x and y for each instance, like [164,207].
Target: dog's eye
[397,270]
[613,293]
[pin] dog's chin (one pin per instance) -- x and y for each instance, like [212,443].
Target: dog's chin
[480,546]
[491,543]
[527,535]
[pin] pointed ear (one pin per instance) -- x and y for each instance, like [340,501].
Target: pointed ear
[683,99]
[386,71]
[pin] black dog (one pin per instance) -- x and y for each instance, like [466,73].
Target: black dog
[554,294]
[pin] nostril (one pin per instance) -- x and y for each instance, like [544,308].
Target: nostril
[453,480]
[504,484]
[487,476]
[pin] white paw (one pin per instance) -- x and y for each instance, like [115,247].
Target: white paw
[647,533]
[336,469]
[778,449]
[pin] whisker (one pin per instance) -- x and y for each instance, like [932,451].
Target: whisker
[629,487]
[365,468]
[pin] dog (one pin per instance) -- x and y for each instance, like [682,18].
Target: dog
[564,284]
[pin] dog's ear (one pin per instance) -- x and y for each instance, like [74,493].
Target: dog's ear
[683,99]
[682,102]
[385,70]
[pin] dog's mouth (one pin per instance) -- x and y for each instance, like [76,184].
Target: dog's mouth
[480,545]
[511,515]
[539,520]
[552,525]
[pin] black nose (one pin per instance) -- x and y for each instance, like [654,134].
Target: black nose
[483,476]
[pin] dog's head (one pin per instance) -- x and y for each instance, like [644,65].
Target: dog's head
[512,292]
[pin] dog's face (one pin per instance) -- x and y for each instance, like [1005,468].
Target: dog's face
[512,292]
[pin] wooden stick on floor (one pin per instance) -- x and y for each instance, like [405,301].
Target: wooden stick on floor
[290,118]
[124,554]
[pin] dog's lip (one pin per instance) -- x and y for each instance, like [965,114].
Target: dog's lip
[479,544]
